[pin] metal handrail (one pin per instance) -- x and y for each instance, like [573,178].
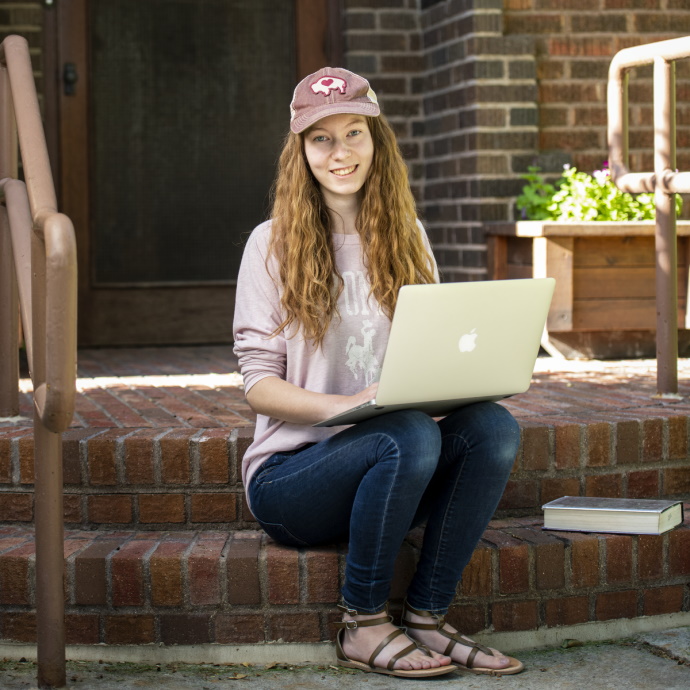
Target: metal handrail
[664,182]
[45,265]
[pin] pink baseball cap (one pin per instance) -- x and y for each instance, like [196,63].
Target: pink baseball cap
[330,91]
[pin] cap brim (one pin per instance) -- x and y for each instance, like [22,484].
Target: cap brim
[302,122]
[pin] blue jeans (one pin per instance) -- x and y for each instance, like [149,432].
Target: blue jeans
[372,482]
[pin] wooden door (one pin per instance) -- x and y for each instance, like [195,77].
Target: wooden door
[170,117]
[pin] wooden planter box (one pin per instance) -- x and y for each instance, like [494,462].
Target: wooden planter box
[604,305]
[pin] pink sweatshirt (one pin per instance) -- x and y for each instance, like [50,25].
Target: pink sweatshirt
[349,360]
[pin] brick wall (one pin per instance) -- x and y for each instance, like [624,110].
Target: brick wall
[383,43]
[480,123]
[504,84]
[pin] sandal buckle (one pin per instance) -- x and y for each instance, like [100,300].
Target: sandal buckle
[350,625]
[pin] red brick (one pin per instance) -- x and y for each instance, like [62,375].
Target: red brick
[240,628]
[213,508]
[25,446]
[513,562]
[619,563]
[244,439]
[139,456]
[110,508]
[175,452]
[469,618]
[598,445]
[90,585]
[214,454]
[567,611]
[243,569]
[643,484]
[604,485]
[161,508]
[652,440]
[322,575]
[294,627]
[677,481]
[17,507]
[185,629]
[535,447]
[102,457]
[678,438]
[568,444]
[165,566]
[627,442]
[82,628]
[584,559]
[134,629]
[282,568]
[19,626]
[549,558]
[71,454]
[204,569]
[520,493]
[650,559]
[5,461]
[477,576]
[679,551]
[514,615]
[663,600]
[616,605]
[14,575]
[127,572]
[555,487]
[72,508]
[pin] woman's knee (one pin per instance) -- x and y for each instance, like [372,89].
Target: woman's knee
[416,439]
[492,427]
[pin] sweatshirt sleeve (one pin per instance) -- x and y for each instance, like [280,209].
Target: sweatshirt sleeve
[427,244]
[258,314]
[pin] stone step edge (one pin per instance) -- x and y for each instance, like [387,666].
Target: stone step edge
[203,587]
[307,653]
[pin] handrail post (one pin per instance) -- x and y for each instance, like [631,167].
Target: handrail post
[665,182]
[49,304]
[9,304]
[665,236]
[48,501]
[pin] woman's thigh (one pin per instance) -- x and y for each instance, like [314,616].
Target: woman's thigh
[307,497]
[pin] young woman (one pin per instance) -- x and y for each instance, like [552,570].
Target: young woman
[316,291]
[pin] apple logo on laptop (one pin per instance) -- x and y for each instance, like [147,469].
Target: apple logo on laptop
[468,342]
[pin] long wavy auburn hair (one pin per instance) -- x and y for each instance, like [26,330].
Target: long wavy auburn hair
[302,243]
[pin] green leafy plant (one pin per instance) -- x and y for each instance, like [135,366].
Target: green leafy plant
[578,196]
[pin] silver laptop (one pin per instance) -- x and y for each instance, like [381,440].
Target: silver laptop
[458,343]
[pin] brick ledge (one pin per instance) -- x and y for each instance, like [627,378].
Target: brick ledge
[203,587]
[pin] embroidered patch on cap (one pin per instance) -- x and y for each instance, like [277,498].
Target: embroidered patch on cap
[327,84]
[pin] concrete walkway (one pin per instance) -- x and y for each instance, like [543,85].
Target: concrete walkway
[645,662]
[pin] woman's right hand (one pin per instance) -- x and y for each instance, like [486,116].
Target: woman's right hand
[274,397]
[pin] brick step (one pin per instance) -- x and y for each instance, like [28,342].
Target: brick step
[185,478]
[196,587]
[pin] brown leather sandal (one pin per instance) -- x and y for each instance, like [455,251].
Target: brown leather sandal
[455,638]
[370,667]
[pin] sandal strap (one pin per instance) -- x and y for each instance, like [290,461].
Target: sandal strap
[439,621]
[353,624]
[389,638]
[454,638]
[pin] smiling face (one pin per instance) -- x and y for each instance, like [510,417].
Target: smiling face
[339,151]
